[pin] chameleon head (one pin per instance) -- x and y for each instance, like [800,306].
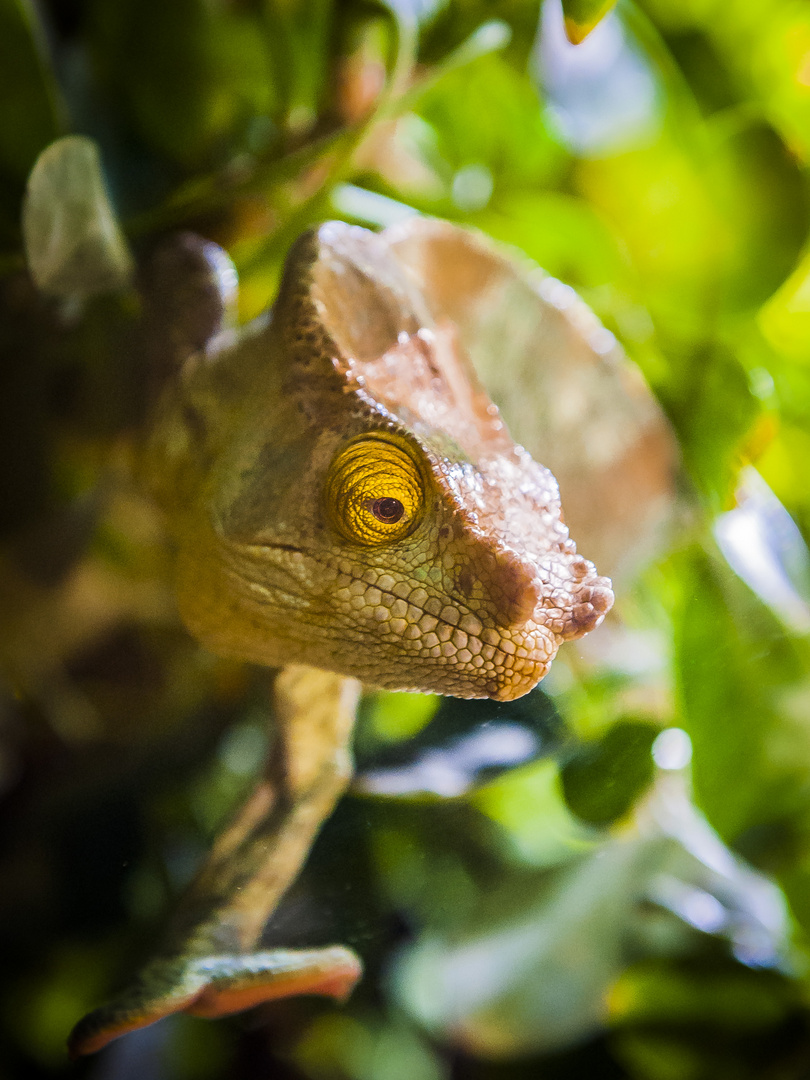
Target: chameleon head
[360,505]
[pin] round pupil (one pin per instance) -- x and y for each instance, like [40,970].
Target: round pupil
[389,511]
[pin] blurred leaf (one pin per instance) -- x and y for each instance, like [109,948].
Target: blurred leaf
[527,972]
[734,999]
[297,33]
[561,232]
[785,318]
[528,966]
[603,780]
[73,242]
[782,462]
[365,1049]
[529,806]
[603,95]
[194,77]
[716,413]
[706,886]
[30,109]
[774,63]
[395,716]
[486,114]
[456,20]
[734,665]
[672,229]
[581,16]
[751,166]
[762,544]
[662,1013]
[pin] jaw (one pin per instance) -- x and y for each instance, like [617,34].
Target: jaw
[379,629]
[503,676]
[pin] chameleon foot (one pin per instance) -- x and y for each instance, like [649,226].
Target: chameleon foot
[215,986]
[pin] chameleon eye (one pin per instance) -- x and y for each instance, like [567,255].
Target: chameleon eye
[374,491]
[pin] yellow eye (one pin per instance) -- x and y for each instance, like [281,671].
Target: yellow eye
[374,492]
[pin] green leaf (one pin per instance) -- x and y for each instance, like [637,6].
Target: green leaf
[368,1049]
[751,166]
[662,1012]
[195,78]
[394,716]
[487,114]
[297,33]
[528,968]
[581,16]
[785,318]
[736,671]
[529,805]
[561,232]
[603,779]
[658,201]
[717,412]
[30,110]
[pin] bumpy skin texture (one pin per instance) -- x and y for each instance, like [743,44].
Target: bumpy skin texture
[473,602]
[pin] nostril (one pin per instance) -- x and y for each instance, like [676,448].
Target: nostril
[514,587]
[524,603]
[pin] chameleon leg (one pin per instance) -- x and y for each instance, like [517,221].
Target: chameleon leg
[209,966]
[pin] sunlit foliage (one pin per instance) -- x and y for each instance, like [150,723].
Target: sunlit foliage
[609,878]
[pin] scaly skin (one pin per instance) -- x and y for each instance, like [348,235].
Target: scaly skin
[473,603]
[344,496]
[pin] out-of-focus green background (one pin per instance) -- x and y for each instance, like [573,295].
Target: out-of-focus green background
[631,898]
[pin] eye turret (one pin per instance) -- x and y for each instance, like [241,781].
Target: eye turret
[375,492]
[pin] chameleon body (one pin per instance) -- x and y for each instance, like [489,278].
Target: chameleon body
[346,499]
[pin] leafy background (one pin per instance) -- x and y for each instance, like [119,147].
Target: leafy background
[606,906]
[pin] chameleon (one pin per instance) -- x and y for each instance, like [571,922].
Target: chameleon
[348,506]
